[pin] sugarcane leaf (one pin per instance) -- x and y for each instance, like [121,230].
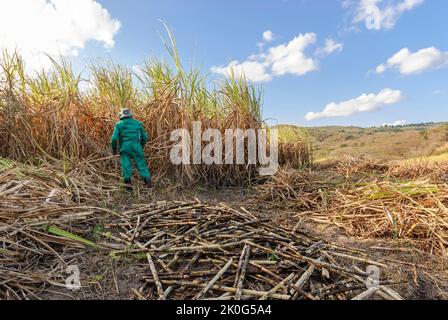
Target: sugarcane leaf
[65,234]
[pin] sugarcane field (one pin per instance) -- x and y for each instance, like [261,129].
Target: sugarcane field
[155,151]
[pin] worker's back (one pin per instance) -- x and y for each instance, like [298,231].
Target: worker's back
[129,130]
[132,137]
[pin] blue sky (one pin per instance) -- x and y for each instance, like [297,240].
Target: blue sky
[212,34]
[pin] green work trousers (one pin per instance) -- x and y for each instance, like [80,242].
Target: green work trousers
[129,152]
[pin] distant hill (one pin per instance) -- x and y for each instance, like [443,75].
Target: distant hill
[410,141]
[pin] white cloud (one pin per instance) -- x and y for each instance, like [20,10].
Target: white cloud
[412,63]
[330,47]
[268,36]
[253,70]
[379,14]
[381,68]
[288,58]
[53,27]
[398,123]
[364,103]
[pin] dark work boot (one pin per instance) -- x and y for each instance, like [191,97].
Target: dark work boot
[148,183]
[128,185]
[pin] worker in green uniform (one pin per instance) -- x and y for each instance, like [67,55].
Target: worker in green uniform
[131,136]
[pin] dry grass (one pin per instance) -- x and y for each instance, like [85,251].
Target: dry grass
[294,190]
[416,210]
[428,168]
[34,200]
[368,199]
[419,140]
[50,217]
[191,249]
[47,115]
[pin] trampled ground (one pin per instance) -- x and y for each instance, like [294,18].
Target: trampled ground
[278,239]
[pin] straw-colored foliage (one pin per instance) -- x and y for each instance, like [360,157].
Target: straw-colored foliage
[369,199]
[48,115]
[294,146]
[51,219]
